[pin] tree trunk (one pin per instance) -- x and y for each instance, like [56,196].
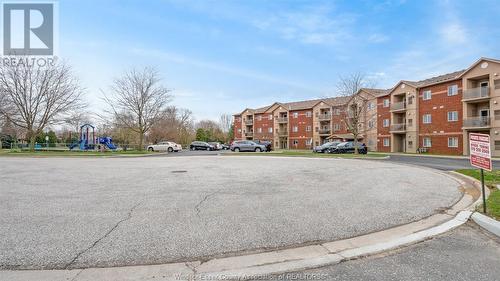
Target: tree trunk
[356,144]
[32,138]
[141,141]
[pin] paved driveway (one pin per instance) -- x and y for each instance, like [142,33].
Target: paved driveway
[59,213]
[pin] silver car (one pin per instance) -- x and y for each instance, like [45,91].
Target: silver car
[246,145]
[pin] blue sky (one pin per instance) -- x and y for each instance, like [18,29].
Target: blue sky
[221,56]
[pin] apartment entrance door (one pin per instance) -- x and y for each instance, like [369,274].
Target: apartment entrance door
[284,144]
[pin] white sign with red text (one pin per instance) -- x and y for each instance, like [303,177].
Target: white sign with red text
[480,151]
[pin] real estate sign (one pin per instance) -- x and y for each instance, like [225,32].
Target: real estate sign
[480,151]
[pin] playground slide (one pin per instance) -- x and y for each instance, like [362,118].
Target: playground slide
[110,145]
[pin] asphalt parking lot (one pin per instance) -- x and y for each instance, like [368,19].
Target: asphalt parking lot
[466,253]
[72,213]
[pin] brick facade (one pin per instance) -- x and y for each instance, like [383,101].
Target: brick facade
[237,127]
[383,113]
[263,126]
[438,108]
[302,121]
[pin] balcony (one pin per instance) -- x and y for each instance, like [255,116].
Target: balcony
[325,117]
[249,134]
[249,122]
[282,119]
[398,128]
[324,131]
[477,122]
[398,106]
[476,94]
[283,133]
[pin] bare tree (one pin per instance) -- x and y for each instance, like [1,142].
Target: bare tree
[174,124]
[137,100]
[225,123]
[355,113]
[34,97]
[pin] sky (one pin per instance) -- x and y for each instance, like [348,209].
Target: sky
[223,56]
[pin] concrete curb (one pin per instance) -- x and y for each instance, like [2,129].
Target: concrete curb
[487,223]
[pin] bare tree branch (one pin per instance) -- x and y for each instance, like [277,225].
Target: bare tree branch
[35,97]
[137,100]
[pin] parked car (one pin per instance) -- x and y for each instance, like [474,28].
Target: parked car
[348,147]
[225,146]
[201,145]
[267,144]
[165,146]
[325,147]
[247,145]
[216,145]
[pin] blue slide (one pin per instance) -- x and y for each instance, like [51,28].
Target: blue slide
[108,142]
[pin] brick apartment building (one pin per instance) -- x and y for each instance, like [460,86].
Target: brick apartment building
[433,115]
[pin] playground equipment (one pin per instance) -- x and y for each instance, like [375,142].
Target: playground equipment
[88,140]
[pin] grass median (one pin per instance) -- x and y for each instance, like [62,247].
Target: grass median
[491,179]
[308,153]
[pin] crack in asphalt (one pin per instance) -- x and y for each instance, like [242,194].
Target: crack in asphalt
[197,207]
[129,216]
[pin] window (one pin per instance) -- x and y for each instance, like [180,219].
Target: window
[309,142]
[387,142]
[295,115]
[259,117]
[295,142]
[308,128]
[453,142]
[259,130]
[336,127]
[452,116]
[386,102]
[370,124]
[497,145]
[295,129]
[386,123]
[238,119]
[426,95]
[370,105]
[426,142]
[270,130]
[336,111]
[497,114]
[410,122]
[239,130]
[370,142]
[270,117]
[452,90]
[427,118]
[497,84]
[410,144]
[308,114]
[410,100]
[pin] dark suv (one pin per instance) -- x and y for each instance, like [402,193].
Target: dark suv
[268,144]
[348,147]
[201,145]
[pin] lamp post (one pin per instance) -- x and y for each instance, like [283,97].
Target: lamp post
[47,142]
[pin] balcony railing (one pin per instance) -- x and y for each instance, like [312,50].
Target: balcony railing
[283,133]
[324,131]
[282,119]
[249,134]
[398,106]
[477,122]
[249,122]
[398,127]
[476,93]
[325,117]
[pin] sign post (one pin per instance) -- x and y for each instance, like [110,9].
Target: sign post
[480,157]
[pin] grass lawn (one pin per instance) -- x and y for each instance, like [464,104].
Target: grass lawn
[63,153]
[491,179]
[308,153]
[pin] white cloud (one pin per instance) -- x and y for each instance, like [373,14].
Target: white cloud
[454,33]
[378,38]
